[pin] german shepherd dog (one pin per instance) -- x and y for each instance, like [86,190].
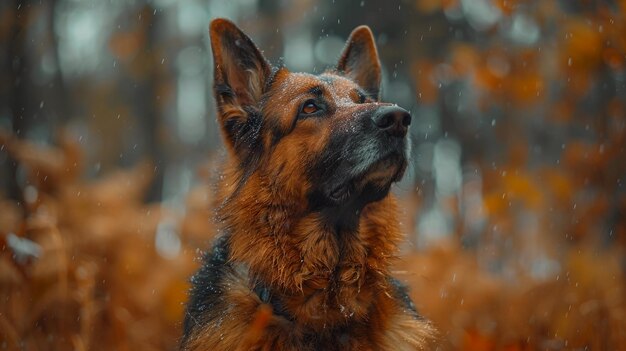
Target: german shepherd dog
[307,227]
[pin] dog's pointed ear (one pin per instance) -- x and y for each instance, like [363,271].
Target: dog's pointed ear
[240,75]
[359,60]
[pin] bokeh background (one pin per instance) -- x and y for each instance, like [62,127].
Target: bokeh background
[514,204]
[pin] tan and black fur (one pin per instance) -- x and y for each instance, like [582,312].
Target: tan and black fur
[307,226]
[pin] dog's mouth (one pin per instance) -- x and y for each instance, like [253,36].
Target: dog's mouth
[374,182]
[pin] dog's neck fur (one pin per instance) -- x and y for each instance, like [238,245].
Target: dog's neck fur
[298,254]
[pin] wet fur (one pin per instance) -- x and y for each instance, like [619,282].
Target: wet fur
[296,266]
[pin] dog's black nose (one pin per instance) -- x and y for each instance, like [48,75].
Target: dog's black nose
[392,119]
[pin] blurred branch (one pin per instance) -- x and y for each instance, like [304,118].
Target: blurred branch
[149,112]
[61,100]
[17,76]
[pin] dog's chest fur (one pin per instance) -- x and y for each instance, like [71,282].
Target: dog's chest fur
[345,316]
[337,294]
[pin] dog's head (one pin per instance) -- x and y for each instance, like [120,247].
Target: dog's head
[324,140]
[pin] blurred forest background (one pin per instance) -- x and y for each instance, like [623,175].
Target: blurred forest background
[515,203]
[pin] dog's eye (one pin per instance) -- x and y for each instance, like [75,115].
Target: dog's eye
[362,97]
[309,107]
